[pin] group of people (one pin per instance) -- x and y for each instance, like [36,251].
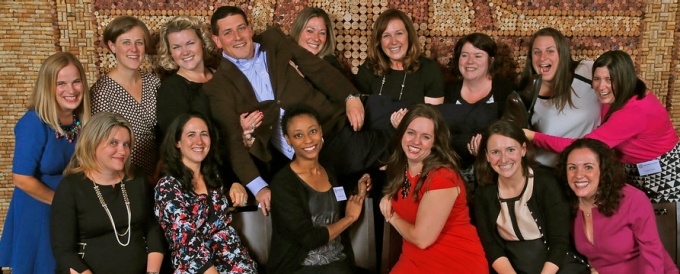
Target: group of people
[117,177]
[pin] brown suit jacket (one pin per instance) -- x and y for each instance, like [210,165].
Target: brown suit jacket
[230,94]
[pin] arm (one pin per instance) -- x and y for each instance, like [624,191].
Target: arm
[34,188]
[433,211]
[184,225]
[621,126]
[486,212]
[554,205]
[434,85]
[64,227]
[502,266]
[290,213]
[355,204]
[30,134]
[155,243]
[643,224]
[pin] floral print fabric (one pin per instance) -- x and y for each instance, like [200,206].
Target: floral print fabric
[197,229]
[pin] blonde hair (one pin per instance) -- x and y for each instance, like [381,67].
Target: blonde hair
[92,135]
[44,97]
[178,24]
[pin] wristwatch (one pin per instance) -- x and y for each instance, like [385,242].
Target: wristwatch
[352,96]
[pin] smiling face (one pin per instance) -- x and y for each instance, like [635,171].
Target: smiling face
[304,134]
[418,140]
[69,89]
[313,35]
[394,42]
[473,63]
[602,84]
[194,143]
[583,173]
[112,153]
[235,37]
[129,48]
[545,57]
[504,154]
[186,49]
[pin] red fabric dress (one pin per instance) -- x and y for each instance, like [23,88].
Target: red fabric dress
[457,249]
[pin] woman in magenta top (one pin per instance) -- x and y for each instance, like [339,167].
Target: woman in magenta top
[635,124]
[425,199]
[615,226]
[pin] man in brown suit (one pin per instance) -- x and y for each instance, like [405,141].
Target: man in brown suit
[256,73]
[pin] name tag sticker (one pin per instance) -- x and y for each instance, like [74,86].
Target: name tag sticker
[339,193]
[649,167]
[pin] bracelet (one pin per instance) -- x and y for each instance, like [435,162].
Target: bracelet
[351,96]
[151,272]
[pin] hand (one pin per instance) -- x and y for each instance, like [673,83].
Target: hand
[396,117]
[249,122]
[364,185]
[264,197]
[473,145]
[238,194]
[353,208]
[386,207]
[529,133]
[593,271]
[355,113]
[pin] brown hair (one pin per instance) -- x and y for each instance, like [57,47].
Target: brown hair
[123,24]
[378,60]
[483,170]
[442,155]
[612,176]
[565,69]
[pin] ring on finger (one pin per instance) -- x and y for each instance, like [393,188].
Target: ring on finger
[252,126]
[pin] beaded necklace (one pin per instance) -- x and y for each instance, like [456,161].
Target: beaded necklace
[108,213]
[70,131]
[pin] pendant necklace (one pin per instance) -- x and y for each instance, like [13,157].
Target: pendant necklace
[403,82]
[108,213]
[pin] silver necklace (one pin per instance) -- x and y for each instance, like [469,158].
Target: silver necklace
[108,213]
[403,82]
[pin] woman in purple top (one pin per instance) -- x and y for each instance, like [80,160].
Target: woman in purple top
[635,124]
[614,227]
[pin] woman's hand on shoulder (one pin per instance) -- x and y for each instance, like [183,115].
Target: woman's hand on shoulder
[238,194]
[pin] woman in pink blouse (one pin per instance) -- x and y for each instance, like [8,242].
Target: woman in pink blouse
[635,124]
[615,227]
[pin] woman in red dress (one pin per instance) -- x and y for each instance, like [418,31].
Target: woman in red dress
[425,199]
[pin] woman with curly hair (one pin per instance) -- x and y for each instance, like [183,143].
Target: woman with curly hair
[185,46]
[425,199]
[614,225]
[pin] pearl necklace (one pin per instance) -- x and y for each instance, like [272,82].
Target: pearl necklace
[403,82]
[108,213]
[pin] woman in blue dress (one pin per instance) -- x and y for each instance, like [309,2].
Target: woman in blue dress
[45,138]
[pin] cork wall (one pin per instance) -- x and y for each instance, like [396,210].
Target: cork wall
[33,29]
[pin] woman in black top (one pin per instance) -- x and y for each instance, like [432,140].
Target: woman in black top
[102,214]
[185,46]
[307,230]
